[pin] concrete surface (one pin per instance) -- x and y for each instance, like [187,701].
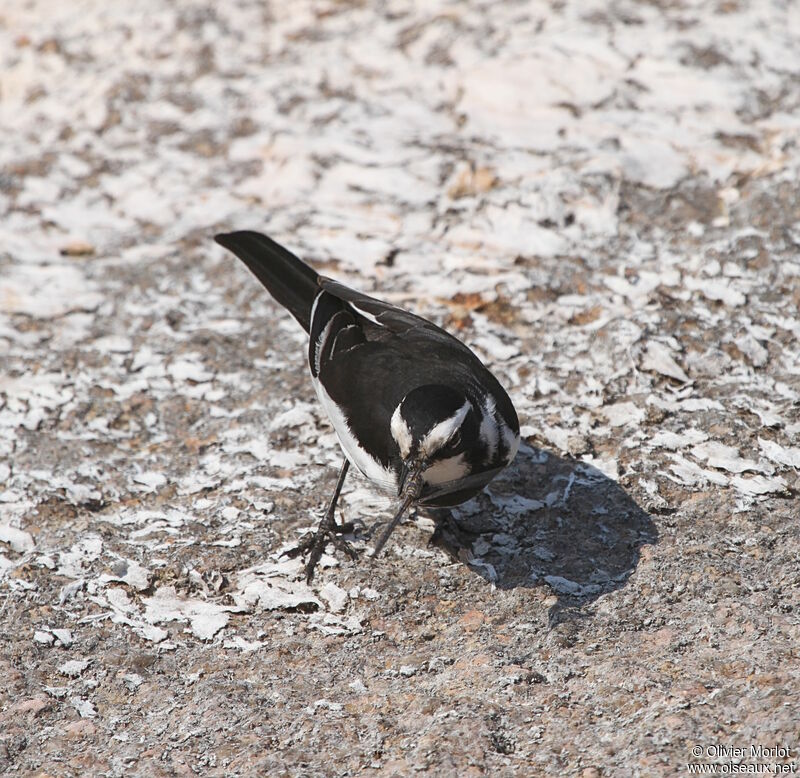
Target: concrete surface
[601,198]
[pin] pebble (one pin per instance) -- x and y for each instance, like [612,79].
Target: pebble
[33,706]
[74,667]
[77,248]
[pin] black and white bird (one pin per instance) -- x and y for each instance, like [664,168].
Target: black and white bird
[414,409]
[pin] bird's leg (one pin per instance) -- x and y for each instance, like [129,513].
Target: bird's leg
[327,531]
[410,492]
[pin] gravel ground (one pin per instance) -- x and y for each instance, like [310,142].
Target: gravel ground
[601,198]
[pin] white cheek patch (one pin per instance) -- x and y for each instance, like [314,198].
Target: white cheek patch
[401,433]
[443,431]
[445,470]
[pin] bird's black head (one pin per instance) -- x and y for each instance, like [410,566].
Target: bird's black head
[435,428]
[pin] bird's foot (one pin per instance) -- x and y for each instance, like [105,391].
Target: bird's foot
[313,544]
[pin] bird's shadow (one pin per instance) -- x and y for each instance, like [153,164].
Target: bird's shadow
[553,521]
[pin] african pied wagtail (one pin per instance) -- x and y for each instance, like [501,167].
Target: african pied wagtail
[414,409]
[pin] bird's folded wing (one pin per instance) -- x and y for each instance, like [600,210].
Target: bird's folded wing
[376,311]
[392,319]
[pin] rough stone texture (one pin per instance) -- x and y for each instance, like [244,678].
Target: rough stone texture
[602,198]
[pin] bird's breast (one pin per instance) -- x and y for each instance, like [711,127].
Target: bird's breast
[445,470]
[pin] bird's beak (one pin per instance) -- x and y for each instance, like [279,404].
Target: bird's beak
[409,488]
[401,482]
[410,474]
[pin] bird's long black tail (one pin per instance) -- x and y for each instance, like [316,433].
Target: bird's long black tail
[289,280]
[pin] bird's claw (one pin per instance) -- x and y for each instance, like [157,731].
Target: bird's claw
[314,544]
